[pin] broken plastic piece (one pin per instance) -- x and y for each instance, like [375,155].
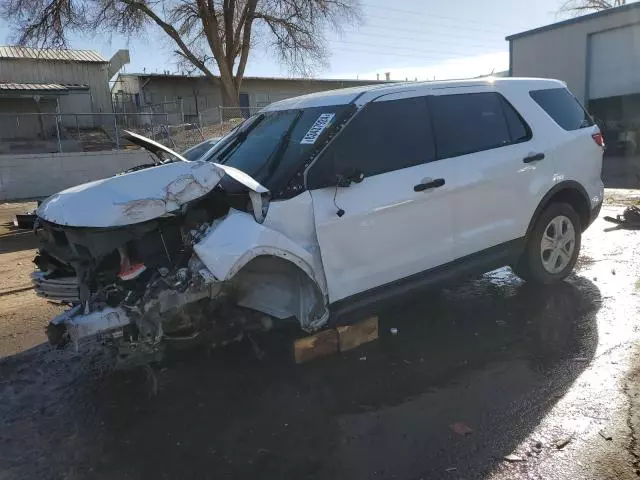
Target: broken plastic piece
[133,272]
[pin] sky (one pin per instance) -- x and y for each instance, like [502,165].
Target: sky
[411,39]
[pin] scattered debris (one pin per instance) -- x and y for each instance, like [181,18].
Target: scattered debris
[461,428]
[605,435]
[563,442]
[514,458]
[451,469]
[501,323]
[362,359]
[538,445]
[613,271]
[580,359]
[394,331]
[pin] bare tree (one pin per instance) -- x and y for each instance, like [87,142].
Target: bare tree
[209,35]
[581,7]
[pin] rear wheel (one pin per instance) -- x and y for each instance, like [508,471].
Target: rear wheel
[552,247]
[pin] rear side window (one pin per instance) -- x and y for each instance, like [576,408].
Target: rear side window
[467,123]
[563,107]
[385,136]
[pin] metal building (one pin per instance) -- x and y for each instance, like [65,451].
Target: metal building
[35,83]
[597,55]
[197,97]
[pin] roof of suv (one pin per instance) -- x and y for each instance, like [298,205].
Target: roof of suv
[347,95]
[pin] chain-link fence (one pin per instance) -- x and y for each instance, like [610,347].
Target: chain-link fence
[76,132]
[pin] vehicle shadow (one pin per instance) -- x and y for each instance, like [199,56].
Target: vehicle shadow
[13,239]
[492,355]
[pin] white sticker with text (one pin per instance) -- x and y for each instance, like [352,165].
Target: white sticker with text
[317,128]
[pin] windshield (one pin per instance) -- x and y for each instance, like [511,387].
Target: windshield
[274,143]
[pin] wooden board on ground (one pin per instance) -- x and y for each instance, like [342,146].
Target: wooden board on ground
[318,345]
[352,336]
[331,341]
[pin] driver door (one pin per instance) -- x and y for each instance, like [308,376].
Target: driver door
[398,220]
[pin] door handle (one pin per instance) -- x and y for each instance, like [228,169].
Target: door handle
[533,158]
[438,182]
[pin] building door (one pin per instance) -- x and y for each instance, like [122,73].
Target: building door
[244,105]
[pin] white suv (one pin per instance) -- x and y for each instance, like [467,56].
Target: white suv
[322,205]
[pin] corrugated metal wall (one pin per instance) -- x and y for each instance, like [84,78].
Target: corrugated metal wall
[615,62]
[36,71]
[562,52]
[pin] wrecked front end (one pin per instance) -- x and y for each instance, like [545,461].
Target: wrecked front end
[142,286]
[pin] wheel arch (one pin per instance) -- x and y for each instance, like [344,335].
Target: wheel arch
[279,284]
[570,192]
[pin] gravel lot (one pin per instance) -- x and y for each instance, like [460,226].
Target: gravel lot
[491,378]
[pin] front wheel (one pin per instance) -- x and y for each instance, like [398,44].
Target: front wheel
[552,247]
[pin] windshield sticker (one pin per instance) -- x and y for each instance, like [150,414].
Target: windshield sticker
[317,128]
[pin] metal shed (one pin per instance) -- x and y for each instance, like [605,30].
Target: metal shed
[598,56]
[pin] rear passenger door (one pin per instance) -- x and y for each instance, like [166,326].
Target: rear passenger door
[397,221]
[479,131]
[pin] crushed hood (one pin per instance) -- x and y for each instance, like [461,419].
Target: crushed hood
[139,196]
[150,145]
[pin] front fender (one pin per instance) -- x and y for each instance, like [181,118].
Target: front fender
[238,238]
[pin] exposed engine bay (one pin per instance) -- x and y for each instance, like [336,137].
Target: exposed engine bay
[158,276]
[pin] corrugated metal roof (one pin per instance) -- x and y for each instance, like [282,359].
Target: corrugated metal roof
[39,86]
[583,18]
[284,79]
[90,56]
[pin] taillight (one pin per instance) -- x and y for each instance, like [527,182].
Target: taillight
[599,139]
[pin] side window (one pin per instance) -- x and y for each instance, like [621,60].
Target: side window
[563,107]
[385,136]
[467,123]
[519,131]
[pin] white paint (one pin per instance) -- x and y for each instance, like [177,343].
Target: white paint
[150,144]
[230,246]
[131,198]
[140,196]
[238,239]
[388,230]
[366,94]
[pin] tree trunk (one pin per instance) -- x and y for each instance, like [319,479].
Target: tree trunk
[230,93]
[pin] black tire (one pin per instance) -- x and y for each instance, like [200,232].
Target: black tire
[530,266]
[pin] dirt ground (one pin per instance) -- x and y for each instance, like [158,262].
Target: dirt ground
[490,378]
[22,313]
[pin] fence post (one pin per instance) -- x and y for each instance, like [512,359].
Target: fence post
[115,125]
[77,127]
[181,110]
[58,134]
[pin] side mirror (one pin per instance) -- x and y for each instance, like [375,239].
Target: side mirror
[348,176]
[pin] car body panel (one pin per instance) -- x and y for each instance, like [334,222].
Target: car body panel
[496,191]
[388,231]
[131,198]
[236,239]
[150,145]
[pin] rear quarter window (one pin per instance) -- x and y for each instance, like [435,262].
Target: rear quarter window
[563,107]
[472,122]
